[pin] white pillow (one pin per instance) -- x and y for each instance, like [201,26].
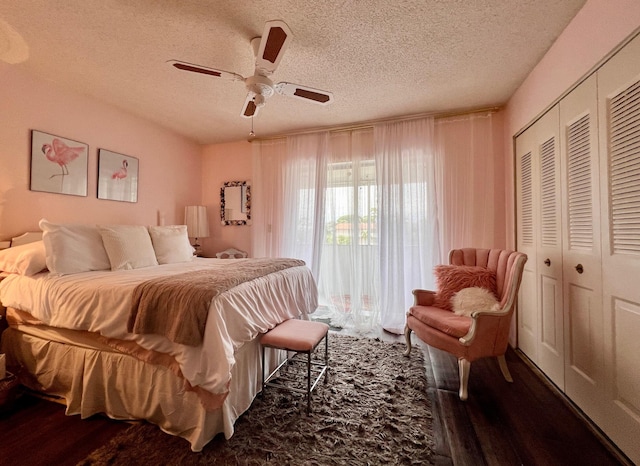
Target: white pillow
[468,300]
[171,244]
[27,259]
[73,248]
[128,246]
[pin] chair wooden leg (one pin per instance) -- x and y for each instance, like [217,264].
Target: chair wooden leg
[504,368]
[407,337]
[464,367]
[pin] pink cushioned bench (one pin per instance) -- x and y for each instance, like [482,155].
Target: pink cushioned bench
[301,337]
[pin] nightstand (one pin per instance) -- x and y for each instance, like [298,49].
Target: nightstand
[3,322]
[9,385]
[3,319]
[9,391]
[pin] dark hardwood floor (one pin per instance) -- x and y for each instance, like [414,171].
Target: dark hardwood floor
[526,422]
[523,423]
[35,432]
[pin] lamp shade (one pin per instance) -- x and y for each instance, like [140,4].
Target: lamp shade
[195,217]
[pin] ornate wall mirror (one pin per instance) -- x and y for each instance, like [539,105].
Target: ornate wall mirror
[235,203]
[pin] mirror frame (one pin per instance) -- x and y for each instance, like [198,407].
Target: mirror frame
[247,202]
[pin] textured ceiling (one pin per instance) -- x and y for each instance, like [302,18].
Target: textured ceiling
[379,58]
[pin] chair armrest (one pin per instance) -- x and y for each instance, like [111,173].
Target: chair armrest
[423,297]
[483,322]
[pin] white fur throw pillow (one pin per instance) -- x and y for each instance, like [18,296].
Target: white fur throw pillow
[468,300]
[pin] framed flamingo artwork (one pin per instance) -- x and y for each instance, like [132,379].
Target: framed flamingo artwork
[117,176]
[58,165]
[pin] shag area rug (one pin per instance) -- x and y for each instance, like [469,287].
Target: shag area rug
[373,410]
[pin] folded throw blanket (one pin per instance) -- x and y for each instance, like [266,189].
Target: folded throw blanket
[177,306]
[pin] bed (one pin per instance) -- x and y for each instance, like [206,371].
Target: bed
[77,327]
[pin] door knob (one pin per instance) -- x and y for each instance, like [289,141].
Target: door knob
[547,262]
[579,268]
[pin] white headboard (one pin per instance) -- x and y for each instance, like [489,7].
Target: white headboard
[28,237]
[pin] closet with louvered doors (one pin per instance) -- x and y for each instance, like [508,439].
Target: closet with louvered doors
[526,219]
[581,258]
[619,134]
[594,255]
[540,319]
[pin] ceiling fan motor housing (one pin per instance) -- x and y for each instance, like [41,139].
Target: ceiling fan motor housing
[260,86]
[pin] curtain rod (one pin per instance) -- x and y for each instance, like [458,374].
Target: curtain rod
[371,123]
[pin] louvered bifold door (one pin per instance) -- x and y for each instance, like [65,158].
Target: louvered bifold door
[581,274]
[526,213]
[619,137]
[549,249]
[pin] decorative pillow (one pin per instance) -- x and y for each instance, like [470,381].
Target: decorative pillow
[73,248]
[171,244]
[27,259]
[468,300]
[128,246]
[452,278]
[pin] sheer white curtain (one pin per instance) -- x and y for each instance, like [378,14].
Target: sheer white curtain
[408,227]
[359,207]
[349,280]
[289,180]
[471,176]
[305,174]
[267,197]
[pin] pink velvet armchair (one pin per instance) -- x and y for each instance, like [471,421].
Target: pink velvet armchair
[483,333]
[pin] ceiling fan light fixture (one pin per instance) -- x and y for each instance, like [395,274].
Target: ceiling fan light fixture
[260,85]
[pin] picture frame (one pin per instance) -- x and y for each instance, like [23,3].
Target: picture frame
[58,165]
[117,176]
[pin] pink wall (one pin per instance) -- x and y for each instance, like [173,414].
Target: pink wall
[170,165]
[220,163]
[597,29]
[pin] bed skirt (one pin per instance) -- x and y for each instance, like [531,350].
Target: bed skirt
[96,379]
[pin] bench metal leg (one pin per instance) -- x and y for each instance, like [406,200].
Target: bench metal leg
[311,385]
[326,357]
[308,383]
[263,368]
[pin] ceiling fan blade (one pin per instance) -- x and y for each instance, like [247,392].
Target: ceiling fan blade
[184,66]
[250,108]
[275,40]
[304,92]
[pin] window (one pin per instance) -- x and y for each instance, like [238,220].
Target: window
[351,204]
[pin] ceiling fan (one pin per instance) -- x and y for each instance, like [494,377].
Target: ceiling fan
[268,51]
